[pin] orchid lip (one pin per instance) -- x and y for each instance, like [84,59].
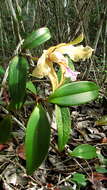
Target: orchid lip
[71,74]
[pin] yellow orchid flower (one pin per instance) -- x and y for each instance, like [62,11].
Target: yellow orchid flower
[56,54]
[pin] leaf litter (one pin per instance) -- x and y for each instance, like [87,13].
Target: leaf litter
[57,170]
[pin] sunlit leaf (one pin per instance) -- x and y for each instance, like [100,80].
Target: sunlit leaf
[5,129]
[37,139]
[63,121]
[74,93]
[84,151]
[36,38]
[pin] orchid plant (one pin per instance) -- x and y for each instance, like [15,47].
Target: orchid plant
[63,94]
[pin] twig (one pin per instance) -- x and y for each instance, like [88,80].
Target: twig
[63,180]
[81,18]
[90,170]
[4,81]
[18,47]
[104,56]
[99,32]
[81,167]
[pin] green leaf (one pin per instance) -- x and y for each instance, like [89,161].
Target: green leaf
[101,169]
[17,81]
[80,179]
[5,128]
[37,139]
[36,38]
[74,93]
[84,151]
[63,121]
[30,86]
[102,121]
[2,71]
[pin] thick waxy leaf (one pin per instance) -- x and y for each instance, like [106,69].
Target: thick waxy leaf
[5,129]
[17,81]
[102,121]
[30,86]
[84,151]
[63,121]
[74,93]
[37,139]
[36,38]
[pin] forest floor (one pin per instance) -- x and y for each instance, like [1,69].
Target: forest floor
[57,170]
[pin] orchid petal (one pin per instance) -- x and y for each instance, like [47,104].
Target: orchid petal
[45,68]
[42,69]
[77,40]
[76,53]
[57,57]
